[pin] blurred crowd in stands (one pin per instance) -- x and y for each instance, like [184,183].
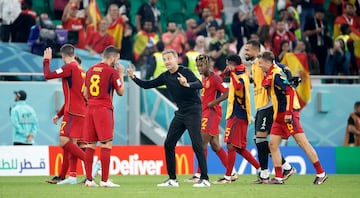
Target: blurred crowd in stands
[325,40]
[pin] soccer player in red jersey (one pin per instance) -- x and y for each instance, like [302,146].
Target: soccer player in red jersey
[214,91]
[286,118]
[101,81]
[237,116]
[72,76]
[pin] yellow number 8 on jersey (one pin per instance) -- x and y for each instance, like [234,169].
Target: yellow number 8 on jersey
[94,86]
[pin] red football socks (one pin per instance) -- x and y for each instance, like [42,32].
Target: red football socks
[247,155]
[65,165]
[231,161]
[75,150]
[221,153]
[105,163]
[318,167]
[89,156]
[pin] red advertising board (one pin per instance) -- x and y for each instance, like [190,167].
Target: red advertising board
[132,160]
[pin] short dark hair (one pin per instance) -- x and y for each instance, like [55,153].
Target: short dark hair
[68,50]
[234,58]
[254,43]
[357,104]
[267,55]
[111,51]
[191,43]
[160,46]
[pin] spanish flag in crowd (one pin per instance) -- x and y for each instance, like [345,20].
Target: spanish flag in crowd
[355,36]
[141,41]
[116,30]
[298,65]
[95,16]
[264,11]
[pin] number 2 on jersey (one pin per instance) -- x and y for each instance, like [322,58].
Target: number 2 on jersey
[94,86]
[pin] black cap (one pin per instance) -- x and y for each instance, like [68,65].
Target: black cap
[21,94]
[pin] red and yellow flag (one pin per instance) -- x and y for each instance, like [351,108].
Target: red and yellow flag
[355,36]
[116,30]
[298,65]
[264,11]
[141,40]
[95,15]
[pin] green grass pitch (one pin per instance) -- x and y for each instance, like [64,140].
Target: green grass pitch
[145,186]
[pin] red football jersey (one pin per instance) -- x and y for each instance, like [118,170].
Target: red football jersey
[72,77]
[213,86]
[101,81]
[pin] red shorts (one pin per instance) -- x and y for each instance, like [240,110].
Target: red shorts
[72,126]
[99,124]
[210,122]
[236,132]
[285,130]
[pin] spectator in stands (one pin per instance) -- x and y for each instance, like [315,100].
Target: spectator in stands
[146,12]
[200,45]
[338,59]
[98,41]
[9,11]
[39,34]
[59,6]
[280,35]
[248,18]
[73,22]
[308,9]
[192,29]
[302,46]
[211,35]
[219,49]
[205,13]
[174,38]
[216,7]
[349,17]
[189,59]
[264,36]
[126,50]
[117,24]
[20,29]
[318,36]
[352,134]
[291,17]
[124,6]
[284,48]
[145,42]
[24,120]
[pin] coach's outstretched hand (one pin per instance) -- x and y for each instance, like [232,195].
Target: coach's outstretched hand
[130,72]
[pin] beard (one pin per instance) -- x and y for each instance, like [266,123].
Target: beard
[249,58]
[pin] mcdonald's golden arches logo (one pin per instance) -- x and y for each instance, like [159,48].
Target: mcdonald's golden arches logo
[58,162]
[182,162]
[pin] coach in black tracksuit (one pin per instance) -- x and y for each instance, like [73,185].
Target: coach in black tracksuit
[184,87]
